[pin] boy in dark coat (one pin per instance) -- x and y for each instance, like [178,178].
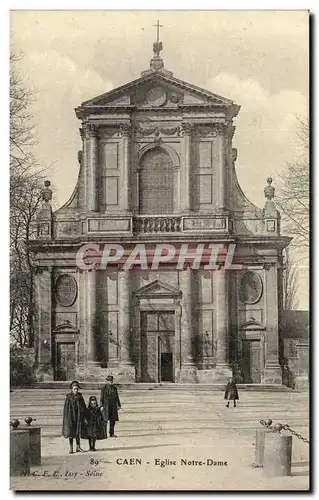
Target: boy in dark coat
[110,404]
[231,392]
[74,417]
[96,428]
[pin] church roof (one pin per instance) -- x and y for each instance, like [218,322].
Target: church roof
[180,94]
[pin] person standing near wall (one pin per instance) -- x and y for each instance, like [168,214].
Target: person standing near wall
[110,404]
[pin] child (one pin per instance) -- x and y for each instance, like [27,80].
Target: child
[74,417]
[231,392]
[96,428]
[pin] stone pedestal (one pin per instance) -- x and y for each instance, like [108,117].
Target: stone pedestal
[277,455]
[123,373]
[35,443]
[272,373]
[301,383]
[19,453]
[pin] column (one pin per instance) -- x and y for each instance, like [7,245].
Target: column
[82,284]
[43,283]
[91,317]
[221,337]
[188,368]
[222,170]
[92,167]
[187,130]
[127,371]
[272,372]
[125,181]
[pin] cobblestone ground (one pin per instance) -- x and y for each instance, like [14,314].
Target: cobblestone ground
[176,428]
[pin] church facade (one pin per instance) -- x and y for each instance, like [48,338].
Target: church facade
[157,166]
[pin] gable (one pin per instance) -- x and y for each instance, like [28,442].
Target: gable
[155,91]
[157,289]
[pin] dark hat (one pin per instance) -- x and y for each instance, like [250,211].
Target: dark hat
[75,382]
[110,378]
[92,398]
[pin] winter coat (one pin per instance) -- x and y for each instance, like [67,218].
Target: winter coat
[96,427]
[231,391]
[74,414]
[111,403]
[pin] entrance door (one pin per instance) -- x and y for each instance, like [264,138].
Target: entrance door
[157,346]
[167,367]
[65,358]
[251,361]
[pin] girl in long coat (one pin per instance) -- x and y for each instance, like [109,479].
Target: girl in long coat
[231,392]
[96,428]
[74,417]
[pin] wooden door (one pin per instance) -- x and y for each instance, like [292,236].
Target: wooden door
[157,338]
[251,365]
[65,361]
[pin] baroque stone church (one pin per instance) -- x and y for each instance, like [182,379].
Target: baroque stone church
[157,165]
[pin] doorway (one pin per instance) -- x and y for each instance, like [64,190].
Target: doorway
[157,346]
[65,361]
[251,362]
[166,368]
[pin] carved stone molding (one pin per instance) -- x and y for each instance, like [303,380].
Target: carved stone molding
[205,131]
[66,290]
[91,130]
[251,287]
[125,129]
[220,128]
[147,131]
[82,133]
[188,129]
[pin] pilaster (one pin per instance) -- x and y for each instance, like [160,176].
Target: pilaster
[188,371]
[272,371]
[92,167]
[43,283]
[222,371]
[187,132]
[126,368]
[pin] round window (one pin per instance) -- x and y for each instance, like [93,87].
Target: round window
[251,287]
[66,290]
[156,96]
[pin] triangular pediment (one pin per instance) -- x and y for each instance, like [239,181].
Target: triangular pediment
[157,289]
[156,90]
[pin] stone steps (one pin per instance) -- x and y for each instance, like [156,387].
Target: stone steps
[162,386]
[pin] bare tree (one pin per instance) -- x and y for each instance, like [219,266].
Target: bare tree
[294,195]
[25,192]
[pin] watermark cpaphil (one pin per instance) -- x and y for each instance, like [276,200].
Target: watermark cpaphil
[209,256]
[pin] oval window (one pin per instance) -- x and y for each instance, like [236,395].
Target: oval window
[251,287]
[66,290]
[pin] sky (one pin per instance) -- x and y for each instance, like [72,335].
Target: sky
[259,59]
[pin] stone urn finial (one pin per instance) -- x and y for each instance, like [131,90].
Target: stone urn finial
[269,190]
[14,423]
[29,420]
[47,192]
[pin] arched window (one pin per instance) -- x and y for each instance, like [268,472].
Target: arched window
[156,190]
